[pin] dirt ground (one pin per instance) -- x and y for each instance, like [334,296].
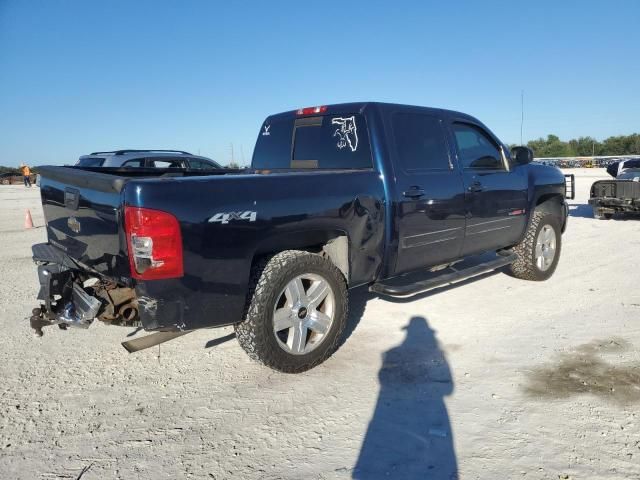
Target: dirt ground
[496,378]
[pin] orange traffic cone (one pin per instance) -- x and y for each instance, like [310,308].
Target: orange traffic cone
[28,221]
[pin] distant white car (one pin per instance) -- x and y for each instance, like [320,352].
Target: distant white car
[147,159]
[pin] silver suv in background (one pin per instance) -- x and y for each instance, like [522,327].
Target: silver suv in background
[147,159]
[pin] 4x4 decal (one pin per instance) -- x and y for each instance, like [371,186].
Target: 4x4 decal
[226,217]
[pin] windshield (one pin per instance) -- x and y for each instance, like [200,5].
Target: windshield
[630,174]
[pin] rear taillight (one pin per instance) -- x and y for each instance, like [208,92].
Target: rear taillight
[311,110]
[155,243]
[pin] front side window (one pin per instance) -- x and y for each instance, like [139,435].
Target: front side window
[476,150]
[420,142]
[202,165]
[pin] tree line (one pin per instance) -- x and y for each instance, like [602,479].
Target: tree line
[552,146]
[14,170]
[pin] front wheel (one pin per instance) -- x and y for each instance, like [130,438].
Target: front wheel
[539,252]
[296,313]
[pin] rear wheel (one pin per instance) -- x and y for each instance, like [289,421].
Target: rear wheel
[539,252]
[297,310]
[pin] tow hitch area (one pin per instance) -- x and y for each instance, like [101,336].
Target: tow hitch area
[73,297]
[79,312]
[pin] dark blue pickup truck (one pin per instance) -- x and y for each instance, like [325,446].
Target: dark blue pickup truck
[336,197]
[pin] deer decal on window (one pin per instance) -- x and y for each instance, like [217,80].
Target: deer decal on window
[347,133]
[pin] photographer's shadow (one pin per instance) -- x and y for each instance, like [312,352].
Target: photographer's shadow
[409,436]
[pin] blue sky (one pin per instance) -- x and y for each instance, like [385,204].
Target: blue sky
[79,76]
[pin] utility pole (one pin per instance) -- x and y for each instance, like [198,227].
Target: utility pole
[521,113]
[232,161]
[241,154]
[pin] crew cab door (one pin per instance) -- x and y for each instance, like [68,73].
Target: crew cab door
[495,195]
[430,215]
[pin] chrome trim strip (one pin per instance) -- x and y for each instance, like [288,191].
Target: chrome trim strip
[422,244]
[488,230]
[492,221]
[433,233]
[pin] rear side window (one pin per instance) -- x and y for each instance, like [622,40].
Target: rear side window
[324,142]
[165,163]
[134,163]
[420,142]
[476,150]
[90,162]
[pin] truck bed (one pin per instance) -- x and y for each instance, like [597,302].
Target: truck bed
[82,206]
[226,219]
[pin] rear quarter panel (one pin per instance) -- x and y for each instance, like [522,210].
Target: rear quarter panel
[292,210]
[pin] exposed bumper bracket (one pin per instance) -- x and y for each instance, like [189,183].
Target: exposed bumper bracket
[152,340]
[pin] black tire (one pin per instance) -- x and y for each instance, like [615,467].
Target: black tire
[525,267]
[268,279]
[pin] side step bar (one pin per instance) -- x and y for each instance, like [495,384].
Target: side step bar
[442,280]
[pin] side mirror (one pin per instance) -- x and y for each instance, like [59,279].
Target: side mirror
[522,155]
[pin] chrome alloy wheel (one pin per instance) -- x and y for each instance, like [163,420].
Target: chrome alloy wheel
[545,247]
[303,314]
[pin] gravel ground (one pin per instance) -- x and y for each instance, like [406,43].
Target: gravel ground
[496,378]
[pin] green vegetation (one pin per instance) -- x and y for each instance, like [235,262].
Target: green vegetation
[16,170]
[552,146]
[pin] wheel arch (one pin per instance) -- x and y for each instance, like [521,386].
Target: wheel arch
[329,243]
[554,204]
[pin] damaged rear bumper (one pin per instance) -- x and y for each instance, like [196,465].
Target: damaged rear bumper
[168,305]
[74,295]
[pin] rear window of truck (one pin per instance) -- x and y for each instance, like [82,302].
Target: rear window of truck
[321,142]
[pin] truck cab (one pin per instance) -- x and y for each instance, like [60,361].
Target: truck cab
[451,187]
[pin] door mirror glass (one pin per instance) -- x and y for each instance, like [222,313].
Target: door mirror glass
[522,155]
